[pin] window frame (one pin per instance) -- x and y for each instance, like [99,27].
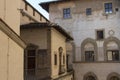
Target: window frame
[34,12]
[33,57]
[97,37]
[108,9]
[66,13]
[112,56]
[92,54]
[26,6]
[88,11]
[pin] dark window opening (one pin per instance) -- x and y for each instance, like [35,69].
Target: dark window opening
[113,55]
[108,8]
[42,57]
[66,13]
[40,18]
[33,12]
[100,34]
[114,78]
[90,78]
[26,7]
[89,55]
[63,59]
[116,9]
[88,11]
[55,59]
[31,62]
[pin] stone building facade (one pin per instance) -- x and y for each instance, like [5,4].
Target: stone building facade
[94,25]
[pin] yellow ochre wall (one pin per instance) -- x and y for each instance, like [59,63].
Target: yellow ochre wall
[11,59]
[57,40]
[9,12]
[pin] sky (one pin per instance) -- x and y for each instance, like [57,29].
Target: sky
[35,4]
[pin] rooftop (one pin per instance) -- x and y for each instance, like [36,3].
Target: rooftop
[47,25]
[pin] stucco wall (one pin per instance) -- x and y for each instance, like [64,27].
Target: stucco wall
[11,59]
[81,26]
[34,36]
[10,14]
[57,41]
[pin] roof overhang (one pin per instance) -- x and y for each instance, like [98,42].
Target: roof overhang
[45,5]
[47,25]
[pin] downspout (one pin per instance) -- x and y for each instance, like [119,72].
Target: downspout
[8,61]
[4,10]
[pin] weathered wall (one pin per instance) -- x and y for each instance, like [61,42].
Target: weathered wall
[57,41]
[11,59]
[81,26]
[101,70]
[35,36]
[10,14]
[11,54]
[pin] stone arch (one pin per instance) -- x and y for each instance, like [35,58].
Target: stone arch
[86,41]
[107,41]
[90,74]
[113,74]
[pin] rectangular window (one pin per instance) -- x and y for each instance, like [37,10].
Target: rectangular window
[33,12]
[40,18]
[108,8]
[42,57]
[66,13]
[89,55]
[88,11]
[113,55]
[55,59]
[26,7]
[100,34]
[63,59]
[31,63]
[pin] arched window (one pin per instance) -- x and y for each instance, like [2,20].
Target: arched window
[114,78]
[112,51]
[89,50]
[90,78]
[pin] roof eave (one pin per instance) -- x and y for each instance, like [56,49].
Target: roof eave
[45,5]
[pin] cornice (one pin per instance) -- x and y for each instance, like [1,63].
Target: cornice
[9,32]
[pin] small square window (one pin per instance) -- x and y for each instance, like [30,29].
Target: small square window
[108,8]
[66,13]
[100,34]
[88,11]
[116,9]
